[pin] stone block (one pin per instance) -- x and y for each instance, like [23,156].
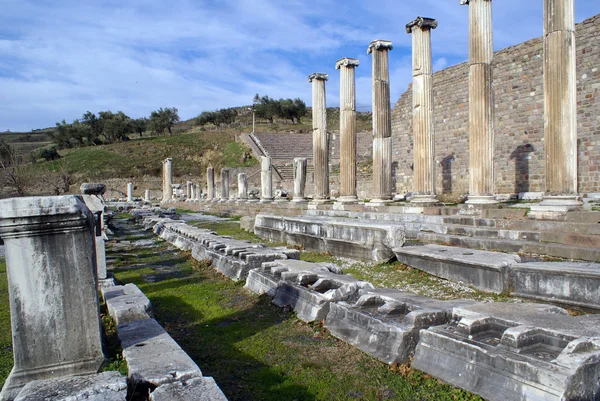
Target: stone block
[197,389]
[247,223]
[92,189]
[488,271]
[127,303]
[310,294]
[386,323]
[152,356]
[515,352]
[359,239]
[106,386]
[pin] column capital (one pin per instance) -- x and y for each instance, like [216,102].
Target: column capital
[346,62]
[466,2]
[423,23]
[318,76]
[379,44]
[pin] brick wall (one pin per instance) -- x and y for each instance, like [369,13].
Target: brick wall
[519,126]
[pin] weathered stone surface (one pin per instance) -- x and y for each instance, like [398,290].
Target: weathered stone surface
[106,386]
[247,223]
[92,189]
[210,183]
[347,129]
[515,352]
[152,356]
[127,303]
[300,164]
[266,180]
[359,239]
[53,297]
[310,294]
[167,179]
[320,138]
[489,271]
[198,389]
[386,323]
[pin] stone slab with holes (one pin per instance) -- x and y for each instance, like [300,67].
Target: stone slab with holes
[515,352]
[385,323]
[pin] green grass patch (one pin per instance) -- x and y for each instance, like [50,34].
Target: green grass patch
[229,228]
[6,356]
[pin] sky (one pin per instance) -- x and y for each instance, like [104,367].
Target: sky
[59,59]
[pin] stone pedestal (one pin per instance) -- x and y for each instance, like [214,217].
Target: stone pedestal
[242,187]
[300,164]
[382,123]
[320,138]
[347,130]
[167,179]
[210,184]
[224,185]
[422,118]
[51,268]
[130,192]
[481,103]
[266,180]
[560,109]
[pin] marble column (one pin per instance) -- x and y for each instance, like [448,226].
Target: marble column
[320,138]
[266,180]
[382,123]
[191,191]
[560,108]
[52,287]
[167,179]
[347,130]
[481,103]
[198,191]
[130,192]
[147,196]
[422,111]
[224,185]
[242,187]
[300,164]
[210,183]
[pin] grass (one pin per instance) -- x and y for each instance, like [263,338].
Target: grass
[6,356]
[256,351]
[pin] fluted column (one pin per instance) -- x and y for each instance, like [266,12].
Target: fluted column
[300,164]
[147,196]
[210,183]
[130,192]
[197,192]
[224,184]
[167,179]
[422,113]
[560,107]
[191,190]
[382,123]
[347,129]
[481,103]
[266,180]
[242,187]
[320,138]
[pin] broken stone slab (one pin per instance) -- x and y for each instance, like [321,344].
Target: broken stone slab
[515,352]
[385,323]
[152,356]
[359,239]
[485,270]
[106,386]
[197,389]
[310,294]
[573,283]
[265,279]
[127,303]
[92,189]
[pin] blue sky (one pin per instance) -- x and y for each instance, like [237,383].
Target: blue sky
[59,59]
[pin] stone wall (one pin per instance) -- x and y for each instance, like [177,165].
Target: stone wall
[519,125]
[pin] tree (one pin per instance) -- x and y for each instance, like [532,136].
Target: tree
[162,120]
[71,135]
[116,125]
[265,107]
[207,117]
[140,125]
[60,179]
[13,174]
[96,125]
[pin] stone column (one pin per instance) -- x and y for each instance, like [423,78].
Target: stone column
[422,112]
[560,108]
[192,192]
[300,164]
[210,183]
[198,190]
[147,196]
[167,179]
[52,287]
[92,197]
[266,180]
[130,192]
[347,130]
[224,184]
[320,138]
[382,123]
[481,103]
[242,187]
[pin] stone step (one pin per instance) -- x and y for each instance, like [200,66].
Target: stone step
[513,246]
[589,228]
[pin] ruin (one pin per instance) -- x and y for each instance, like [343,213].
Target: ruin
[320,138]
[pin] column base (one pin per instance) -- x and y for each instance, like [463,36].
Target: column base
[252,201]
[553,206]
[299,200]
[379,202]
[424,200]
[481,200]
[266,200]
[324,201]
[347,199]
